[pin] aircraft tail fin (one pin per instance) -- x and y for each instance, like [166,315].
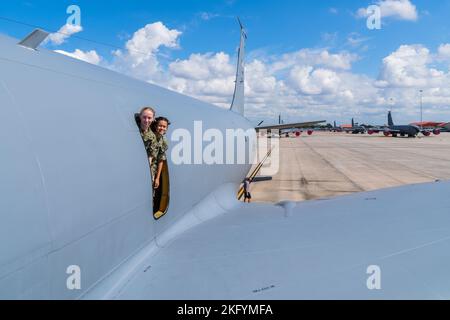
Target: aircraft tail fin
[239,95]
[353,123]
[390,121]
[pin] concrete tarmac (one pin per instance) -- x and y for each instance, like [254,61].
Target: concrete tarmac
[332,164]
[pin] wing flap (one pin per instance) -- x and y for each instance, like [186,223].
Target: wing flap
[299,125]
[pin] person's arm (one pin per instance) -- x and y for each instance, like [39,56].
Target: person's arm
[149,144]
[152,147]
[160,159]
[158,174]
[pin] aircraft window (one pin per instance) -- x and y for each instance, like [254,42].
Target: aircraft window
[161,196]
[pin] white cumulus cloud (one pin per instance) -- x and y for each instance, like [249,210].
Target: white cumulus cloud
[444,52]
[306,84]
[409,66]
[315,57]
[64,33]
[312,81]
[88,56]
[397,9]
[140,59]
[204,66]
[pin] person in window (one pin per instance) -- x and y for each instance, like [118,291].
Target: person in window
[159,128]
[247,194]
[146,119]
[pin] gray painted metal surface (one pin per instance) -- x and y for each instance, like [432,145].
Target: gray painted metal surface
[310,250]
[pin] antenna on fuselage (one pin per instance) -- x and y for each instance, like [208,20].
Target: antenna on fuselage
[238,103]
[34,39]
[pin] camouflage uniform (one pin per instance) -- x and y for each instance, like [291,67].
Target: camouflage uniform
[161,147]
[151,146]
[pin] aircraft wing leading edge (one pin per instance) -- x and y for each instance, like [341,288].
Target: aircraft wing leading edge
[299,125]
[311,250]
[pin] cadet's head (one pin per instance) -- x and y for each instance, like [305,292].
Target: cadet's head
[161,125]
[147,116]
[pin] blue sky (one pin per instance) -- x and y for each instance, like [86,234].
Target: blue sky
[275,28]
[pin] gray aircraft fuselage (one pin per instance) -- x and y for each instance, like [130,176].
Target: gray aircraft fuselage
[403,130]
[406,130]
[75,183]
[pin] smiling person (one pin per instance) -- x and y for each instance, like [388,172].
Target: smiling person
[146,119]
[159,128]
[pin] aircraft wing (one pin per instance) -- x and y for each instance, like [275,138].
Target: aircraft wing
[311,250]
[299,125]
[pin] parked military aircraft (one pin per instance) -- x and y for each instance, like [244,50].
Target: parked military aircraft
[406,130]
[446,127]
[355,129]
[335,128]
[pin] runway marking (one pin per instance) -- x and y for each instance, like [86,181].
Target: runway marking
[402,165]
[357,186]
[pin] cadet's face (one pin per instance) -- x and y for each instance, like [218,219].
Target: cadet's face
[147,118]
[162,127]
